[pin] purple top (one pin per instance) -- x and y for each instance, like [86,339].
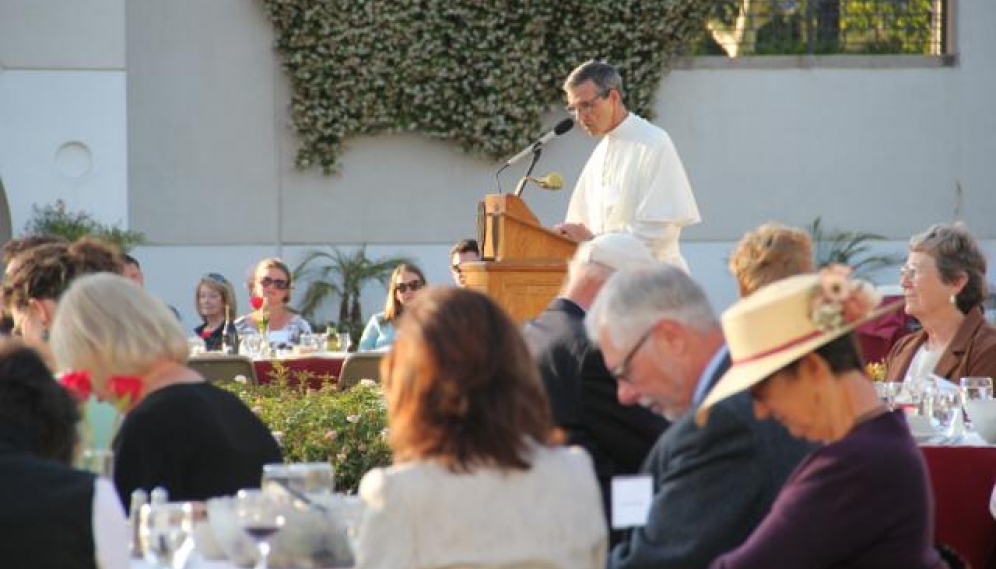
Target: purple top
[861,502]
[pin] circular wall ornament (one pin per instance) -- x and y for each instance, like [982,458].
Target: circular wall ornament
[73,159]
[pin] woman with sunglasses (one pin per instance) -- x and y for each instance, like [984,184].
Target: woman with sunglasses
[272,284]
[406,280]
[215,301]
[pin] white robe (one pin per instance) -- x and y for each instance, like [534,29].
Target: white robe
[634,181]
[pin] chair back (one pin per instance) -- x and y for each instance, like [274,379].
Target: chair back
[359,365]
[223,368]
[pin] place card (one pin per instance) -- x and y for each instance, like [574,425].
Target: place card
[631,498]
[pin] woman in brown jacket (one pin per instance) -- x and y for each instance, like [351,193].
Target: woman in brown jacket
[944,283]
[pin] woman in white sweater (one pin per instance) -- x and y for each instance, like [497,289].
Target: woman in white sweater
[475,482]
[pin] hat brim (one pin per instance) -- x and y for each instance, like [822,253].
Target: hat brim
[743,376]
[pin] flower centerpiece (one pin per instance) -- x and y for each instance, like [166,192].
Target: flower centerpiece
[125,392]
[262,308]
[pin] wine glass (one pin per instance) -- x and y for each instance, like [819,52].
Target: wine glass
[887,392]
[166,534]
[260,516]
[975,388]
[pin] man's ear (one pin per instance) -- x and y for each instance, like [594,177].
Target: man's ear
[44,310]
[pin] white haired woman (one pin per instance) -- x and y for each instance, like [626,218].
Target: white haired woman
[180,432]
[863,499]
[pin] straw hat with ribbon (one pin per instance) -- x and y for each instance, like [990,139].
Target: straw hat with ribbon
[786,320]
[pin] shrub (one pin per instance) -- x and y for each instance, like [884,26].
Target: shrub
[346,428]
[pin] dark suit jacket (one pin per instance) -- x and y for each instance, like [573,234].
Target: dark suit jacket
[583,398]
[972,352]
[712,485]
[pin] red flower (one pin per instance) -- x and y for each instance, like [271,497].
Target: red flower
[77,383]
[205,333]
[256,302]
[126,390]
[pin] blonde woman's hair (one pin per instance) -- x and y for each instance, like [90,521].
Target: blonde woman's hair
[108,325]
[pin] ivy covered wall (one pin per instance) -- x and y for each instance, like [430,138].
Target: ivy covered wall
[477,73]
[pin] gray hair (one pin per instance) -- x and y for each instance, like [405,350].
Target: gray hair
[633,300]
[109,326]
[603,75]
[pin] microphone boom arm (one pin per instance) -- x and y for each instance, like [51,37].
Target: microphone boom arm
[532,164]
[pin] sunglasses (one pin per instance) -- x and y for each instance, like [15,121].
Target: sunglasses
[279,284]
[412,285]
[220,279]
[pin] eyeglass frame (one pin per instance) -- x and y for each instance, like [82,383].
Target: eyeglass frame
[621,370]
[910,272]
[279,284]
[582,107]
[414,285]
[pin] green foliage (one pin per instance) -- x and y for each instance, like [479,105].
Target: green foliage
[851,248]
[346,428]
[326,275]
[480,74]
[56,219]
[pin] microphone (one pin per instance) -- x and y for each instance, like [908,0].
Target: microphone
[562,127]
[552,181]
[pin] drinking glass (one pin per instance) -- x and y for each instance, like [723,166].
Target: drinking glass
[99,461]
[887,392]
[195,345]
[944,405]
[311,478]
[975,388]
[166,534]
[260,516]
[345,342]
[253,345]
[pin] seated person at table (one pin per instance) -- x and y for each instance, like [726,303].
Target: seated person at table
[405,281]
[215,301]
[769,253]
[944,283]
[272,287]
[180,432]
[52,516]
[38,276]
[475,482]
[465,250]
[862,499]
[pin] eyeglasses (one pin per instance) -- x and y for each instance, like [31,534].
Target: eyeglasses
[412,285]
[455,268]
[279,284]
[586,106]
[621,371]
[220,279]
[909,272]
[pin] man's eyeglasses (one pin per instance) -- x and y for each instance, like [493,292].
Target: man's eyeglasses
[412,285]
[279,284]
[455,268]
[621,371]
[583,107]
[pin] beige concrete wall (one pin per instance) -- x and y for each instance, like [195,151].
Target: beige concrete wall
[887,148]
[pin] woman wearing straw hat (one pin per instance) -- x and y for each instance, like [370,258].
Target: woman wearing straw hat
[862,500]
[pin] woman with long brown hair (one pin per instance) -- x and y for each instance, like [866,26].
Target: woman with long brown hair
[406,280]
[475,481]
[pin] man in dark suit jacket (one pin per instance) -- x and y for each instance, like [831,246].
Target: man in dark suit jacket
[711,485]
[581,391]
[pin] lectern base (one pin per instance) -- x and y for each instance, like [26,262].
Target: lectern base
[523,288]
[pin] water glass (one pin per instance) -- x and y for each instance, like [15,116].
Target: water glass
[99,461]
[345,342]
[195,345]
[975,388]
[304,477]
[166,534]
[253,345]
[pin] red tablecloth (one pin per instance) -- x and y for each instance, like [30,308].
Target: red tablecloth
[317,370]
[962,479]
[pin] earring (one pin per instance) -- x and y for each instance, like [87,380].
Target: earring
[45,334]
[953,299]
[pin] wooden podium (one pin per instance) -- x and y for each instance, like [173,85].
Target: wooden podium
[523,264]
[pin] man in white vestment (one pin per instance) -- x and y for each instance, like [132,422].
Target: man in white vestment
[634,180]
